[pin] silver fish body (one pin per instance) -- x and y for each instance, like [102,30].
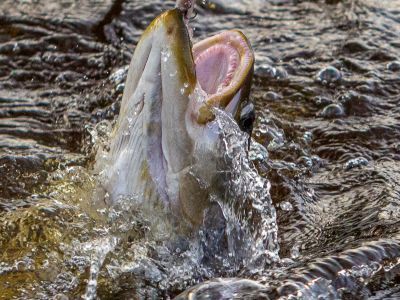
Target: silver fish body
[163,146]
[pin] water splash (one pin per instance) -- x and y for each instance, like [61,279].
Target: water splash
[99,248]
[143,242]
[251,228]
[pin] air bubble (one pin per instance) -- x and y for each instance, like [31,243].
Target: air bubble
[356,162]
[332,111]
[393,66]
[329,75]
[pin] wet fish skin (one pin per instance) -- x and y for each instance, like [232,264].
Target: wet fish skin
[162,147]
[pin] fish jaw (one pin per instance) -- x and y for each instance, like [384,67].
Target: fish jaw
[230,56]
[150,142]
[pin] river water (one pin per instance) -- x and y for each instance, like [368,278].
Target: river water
[326,144]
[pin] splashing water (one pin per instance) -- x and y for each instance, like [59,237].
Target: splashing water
[239,231]
[100,249]
[251,229]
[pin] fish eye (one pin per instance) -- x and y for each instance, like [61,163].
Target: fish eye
[247,117]
[194,15]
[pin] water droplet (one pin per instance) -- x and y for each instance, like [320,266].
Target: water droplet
[295,252]
[165,54]
[272,96]
[393,66]
[257,152]
[356,162]
[322,101]
[307,136]
[306,161]
[268,71]
[120,88]
[16,47]
[329,75]
[286,206]
[332,111]
[138,107]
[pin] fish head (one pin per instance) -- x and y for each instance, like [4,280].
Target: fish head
[163,128]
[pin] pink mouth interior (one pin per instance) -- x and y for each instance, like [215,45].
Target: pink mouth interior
[215,67]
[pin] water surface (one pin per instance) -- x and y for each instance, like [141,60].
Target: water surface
[327,93]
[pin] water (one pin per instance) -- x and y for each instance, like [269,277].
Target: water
[326,92]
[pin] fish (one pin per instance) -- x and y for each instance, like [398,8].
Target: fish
[163,145]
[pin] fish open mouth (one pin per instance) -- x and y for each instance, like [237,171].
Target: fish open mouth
[224,67]
[221,60]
